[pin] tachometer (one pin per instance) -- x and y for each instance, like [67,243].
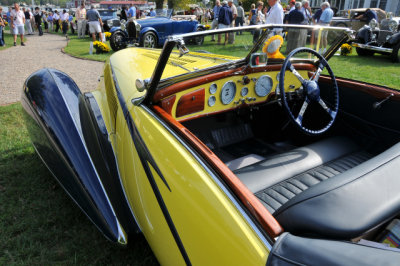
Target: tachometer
[228,92]
[263,86]
[211,100]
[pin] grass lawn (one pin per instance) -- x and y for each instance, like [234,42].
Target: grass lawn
[39,223]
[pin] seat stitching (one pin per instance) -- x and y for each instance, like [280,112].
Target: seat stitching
[349,182]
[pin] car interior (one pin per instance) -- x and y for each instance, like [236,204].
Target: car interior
[341,184]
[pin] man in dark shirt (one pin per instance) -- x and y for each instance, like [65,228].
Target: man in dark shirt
[28,24]
[225,18]
[368,15]
[296,37]
[38,20]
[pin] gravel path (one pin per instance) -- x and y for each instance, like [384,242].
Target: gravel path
[17,63]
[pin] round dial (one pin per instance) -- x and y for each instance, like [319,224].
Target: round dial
[211,100]
[228,92]
[213,88]
[244,91]
[263,86]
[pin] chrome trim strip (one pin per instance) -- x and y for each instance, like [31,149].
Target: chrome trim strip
[215,178]
[373,48]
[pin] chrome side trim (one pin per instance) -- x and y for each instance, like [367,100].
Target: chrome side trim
[216,180]
[373,48]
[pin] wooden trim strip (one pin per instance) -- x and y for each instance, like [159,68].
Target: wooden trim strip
[168,103]
[267,221]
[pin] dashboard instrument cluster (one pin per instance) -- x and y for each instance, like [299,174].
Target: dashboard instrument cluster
[227,94]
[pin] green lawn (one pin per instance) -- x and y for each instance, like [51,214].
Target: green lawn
[39,223]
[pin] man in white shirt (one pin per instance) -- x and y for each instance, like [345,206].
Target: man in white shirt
[306,10]
[233,8]
[81,17]
[56,20]
[17,24]
[275,16]
[292,4]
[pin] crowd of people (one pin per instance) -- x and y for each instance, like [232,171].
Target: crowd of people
[225,14]
[23,20]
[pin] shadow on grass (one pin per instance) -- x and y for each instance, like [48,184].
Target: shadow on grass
[40,224]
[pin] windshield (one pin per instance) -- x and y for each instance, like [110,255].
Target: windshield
[107,13]
[270,45]
[164,13]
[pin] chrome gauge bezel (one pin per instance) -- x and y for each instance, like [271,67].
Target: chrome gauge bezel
[244,91]
[213,88]
[212,100]
[263,86]
[232,91]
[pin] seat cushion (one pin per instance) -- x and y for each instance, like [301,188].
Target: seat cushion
[349,204]
[278,168]
[277,195]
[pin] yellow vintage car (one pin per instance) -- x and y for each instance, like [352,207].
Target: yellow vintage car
[244,153]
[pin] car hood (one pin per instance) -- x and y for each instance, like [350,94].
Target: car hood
[105,18]
[152,21]
[139,63]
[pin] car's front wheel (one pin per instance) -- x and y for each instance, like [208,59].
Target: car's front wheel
[117,41]
[395,53]
[149,40]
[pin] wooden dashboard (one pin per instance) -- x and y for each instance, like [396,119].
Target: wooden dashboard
[224,91]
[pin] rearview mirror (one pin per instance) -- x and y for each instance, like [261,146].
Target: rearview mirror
[258,59]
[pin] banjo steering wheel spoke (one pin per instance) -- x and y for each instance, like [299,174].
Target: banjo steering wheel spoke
[312,92]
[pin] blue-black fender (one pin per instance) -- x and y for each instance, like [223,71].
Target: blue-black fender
[144,30]
[68,133]
[394,39]
[115,29]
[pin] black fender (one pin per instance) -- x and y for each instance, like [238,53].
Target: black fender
[364,35]
[51,99]
[121,31]
[394,39]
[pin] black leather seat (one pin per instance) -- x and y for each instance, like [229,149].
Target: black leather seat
[279,178]
[328,189]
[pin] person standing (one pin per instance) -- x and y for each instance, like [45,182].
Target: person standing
[71,23]
[239,18]
[132,12]
[2,25]
[292,5]
[38,20]
[65,19]
[274,16]
[214,24]
[56,20]
[123,13]
[50,21]
[95,23]
[17,24]
[81,17]
[32,20]
[294,39]
[252,12]
[306,10]
[234,16]
[325,20]
[259,19]
[225,19]
[9,18]
[28,24]
[46,24]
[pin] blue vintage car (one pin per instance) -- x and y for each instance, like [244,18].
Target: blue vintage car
[153,31]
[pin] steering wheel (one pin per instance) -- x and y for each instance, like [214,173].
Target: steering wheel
[311,91]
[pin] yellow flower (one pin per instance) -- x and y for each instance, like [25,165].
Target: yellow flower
[345,49]
[108,34]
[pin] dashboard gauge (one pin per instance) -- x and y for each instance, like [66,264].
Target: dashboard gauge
[244,91]
[263,86]
[211,100]
[228,92]
[213,88]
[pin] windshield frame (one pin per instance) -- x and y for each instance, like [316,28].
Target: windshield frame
[155,83]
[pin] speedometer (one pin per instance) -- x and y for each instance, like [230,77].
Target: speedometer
[263,86]
[228,92]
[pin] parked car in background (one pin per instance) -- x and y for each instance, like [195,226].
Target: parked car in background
[109,15]
[153,31]
[383,38]
[349,20]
